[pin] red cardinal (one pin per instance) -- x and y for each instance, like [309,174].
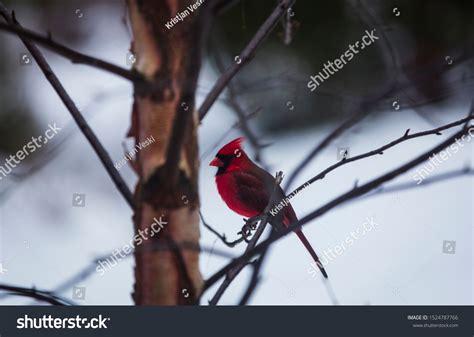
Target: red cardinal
[246,189]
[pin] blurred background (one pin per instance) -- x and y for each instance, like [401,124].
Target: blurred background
[423,61]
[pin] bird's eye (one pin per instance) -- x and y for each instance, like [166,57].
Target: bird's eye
[237,153]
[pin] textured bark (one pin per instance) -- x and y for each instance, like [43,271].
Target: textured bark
[170,59]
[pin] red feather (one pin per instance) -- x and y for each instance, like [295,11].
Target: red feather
[246,189]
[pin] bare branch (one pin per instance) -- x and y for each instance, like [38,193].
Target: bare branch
[239,111]
[39,295]
[398,86]
[74,56]
[362,112]
[81,275]
[225,134]
[365,108]
[379,151]
[465,172]
[245,56]
[222,237]
[254,280]
[75,113]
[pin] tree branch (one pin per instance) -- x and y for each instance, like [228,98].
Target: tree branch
[245,56]
[239,111]
[467,171]
[222,237]
[379,151]
[362,112]
[40,295]
[252,286]
[75,113]
[72,55]
[225,134]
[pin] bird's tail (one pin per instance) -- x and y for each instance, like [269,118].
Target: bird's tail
[311,251]
[290,217]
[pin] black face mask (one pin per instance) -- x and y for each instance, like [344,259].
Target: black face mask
[226,159]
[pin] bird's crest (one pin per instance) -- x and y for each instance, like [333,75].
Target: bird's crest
[231,147]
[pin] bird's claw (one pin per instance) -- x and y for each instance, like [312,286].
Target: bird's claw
[246,232]
[252,222]
[249,226]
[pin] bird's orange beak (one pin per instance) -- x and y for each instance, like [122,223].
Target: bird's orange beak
[216,162]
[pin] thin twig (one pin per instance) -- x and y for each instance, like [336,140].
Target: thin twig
[390,56]
[81,275]
[392,62]
[222,237]
[232,273]
[366,107]
[39,295]
[239,111]
[254,280]
[225,134]
[75,113]
[245,56]
[426,182]
[362,112]
[72,55]
[381,149]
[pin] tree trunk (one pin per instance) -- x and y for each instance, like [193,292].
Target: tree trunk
[170,60]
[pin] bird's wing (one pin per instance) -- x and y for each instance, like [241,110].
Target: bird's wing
[252,192]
